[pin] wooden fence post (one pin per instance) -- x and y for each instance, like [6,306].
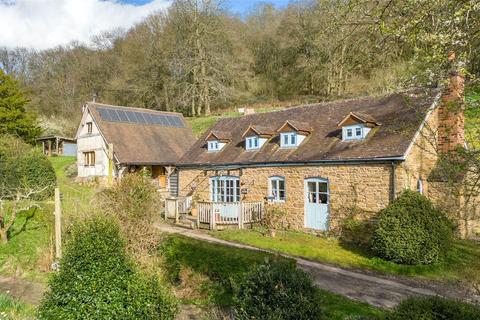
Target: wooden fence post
[58,224]
[240,216]
[176,211]
[212,216]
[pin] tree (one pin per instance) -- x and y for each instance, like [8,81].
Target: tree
[201,53]
[14,119]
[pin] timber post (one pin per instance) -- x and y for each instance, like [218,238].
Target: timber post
[110,163]
[58,224]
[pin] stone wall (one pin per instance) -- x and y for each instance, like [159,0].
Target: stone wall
[366,187]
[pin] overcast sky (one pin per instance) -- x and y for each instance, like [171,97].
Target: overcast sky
[42,24]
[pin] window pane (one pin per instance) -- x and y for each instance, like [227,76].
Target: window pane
[255,142]
[281,194]
[312,186]
[323,198]
[322,186]
[358,132]
[285,139]
[293,139]
[273,187]
[349,132]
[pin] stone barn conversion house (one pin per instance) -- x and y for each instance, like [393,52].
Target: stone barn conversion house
[114,140]
[317,162]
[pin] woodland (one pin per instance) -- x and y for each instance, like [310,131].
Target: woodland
[198,58]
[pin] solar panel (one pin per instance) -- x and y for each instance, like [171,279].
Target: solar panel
[115,115]
[123,115]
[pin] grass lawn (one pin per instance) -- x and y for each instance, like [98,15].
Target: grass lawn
[12,309]
[472,116]
[462,263]
[222,266]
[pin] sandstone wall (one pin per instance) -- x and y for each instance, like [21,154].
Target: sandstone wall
[366,186]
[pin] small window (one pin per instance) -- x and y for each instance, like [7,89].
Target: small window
[288,139]
[89,127]
[213,145]
[89,159]
[420,186]
[358,132]
[354,132]
[252,143]
[277,188]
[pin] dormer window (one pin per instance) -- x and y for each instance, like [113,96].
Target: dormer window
[255,136]
[292,133]
[288,139]
[216,140]
[356,126]
[252,143]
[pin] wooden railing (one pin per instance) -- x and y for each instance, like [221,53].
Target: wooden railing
[229,213]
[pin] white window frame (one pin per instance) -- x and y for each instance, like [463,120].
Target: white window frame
[351,132]
[252,143]
[274,192]
[213,145]
[225,189]
[291,139]
[89,158]
[89,127]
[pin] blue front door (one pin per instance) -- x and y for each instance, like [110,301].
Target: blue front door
[316,203]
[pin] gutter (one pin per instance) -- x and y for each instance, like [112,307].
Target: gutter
[292,164]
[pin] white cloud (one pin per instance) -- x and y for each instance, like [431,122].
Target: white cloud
[42,24]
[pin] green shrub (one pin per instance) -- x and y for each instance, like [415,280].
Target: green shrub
[71,171]
[276,291]
[434,308]
[97,280]
[23,168]
[412,231]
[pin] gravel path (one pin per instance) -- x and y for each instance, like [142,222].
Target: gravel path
[29,292]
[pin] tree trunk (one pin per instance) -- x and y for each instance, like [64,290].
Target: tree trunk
[3,235]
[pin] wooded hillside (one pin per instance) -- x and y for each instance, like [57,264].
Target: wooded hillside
[197,58]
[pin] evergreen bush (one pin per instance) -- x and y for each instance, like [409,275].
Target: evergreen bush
[412,231]
[277,291]
[98,280]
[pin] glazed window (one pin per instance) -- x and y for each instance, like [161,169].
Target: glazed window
[89,159]
[225,189]
[288,139]
[89,127]
[252,143]
[213,145]
[277,188]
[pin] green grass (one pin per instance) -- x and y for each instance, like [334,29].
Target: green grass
[462,263]
[12,309]
[224,266]
[76,198]
[27,252]
[200,124]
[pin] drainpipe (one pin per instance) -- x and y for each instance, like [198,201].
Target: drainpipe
[394,184]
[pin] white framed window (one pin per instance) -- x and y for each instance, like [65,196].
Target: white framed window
[252,143]
[288,139]
[354,132]
[213,145]
[358,132]
[276,188]
[225,189]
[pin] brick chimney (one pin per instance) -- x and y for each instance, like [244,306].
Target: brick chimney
[451,131]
